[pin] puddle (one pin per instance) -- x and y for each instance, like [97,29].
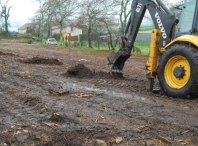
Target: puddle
[85,87]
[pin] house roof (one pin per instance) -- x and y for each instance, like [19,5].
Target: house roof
[25,26]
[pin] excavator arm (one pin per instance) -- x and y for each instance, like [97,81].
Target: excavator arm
[163,20]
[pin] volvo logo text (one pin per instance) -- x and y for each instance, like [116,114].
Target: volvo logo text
[161,27]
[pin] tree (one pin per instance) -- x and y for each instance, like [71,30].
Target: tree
[122,9]
[63,10]
[5,13]
[44,16]
[108,19]
[49,16]
[91,11]
[40,16]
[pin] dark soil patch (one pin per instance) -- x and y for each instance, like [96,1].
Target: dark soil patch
[81,71]
[2,53]
[37,60]
[106,75]
[31,100]
[58,93]
[7,138]
[61,119]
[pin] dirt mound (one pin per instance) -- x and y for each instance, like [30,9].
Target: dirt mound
[57,118]
[2,53]
[37,60]
[81,71]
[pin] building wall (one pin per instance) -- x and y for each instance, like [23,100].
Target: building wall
[22,31]
[65,36]
[72,31]
[73,38]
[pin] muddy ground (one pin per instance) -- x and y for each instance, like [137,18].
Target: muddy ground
[55,96]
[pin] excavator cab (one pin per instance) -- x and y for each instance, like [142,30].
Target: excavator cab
[173,49]
[188,23]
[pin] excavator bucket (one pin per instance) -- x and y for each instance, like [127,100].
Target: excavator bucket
[116,60]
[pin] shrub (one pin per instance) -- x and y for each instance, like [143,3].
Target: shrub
[57,36]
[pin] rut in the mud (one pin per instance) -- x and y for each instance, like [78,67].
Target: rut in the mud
[37,60]
[81,71]
[2,53]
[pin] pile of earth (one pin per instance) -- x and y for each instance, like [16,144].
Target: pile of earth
[37,60]
[81,71]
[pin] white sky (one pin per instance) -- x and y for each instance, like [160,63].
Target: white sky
[20,12]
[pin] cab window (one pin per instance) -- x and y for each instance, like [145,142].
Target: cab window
[187,16]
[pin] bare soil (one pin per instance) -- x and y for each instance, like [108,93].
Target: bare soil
[55,96]
[38,60]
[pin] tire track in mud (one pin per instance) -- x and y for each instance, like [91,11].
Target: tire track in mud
[25,80]
[21,106]
[76,119]
[22,113]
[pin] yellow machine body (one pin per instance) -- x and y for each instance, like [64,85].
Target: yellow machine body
[185,38]
[155,50]
[151,64]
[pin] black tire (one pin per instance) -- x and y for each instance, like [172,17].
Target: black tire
[190,89]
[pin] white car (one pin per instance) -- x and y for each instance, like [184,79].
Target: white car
[51,41]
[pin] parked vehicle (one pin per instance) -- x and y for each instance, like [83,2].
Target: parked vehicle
[51,41]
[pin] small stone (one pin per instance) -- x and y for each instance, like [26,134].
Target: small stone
[99,142]
[113,140]
[139,131]
[124,84]
[119,139]
[123,109]
[21,137]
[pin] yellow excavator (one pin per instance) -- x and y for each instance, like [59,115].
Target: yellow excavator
[173,56]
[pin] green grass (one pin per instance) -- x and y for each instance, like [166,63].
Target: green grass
[145,28]
[144,48]
[143,45]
